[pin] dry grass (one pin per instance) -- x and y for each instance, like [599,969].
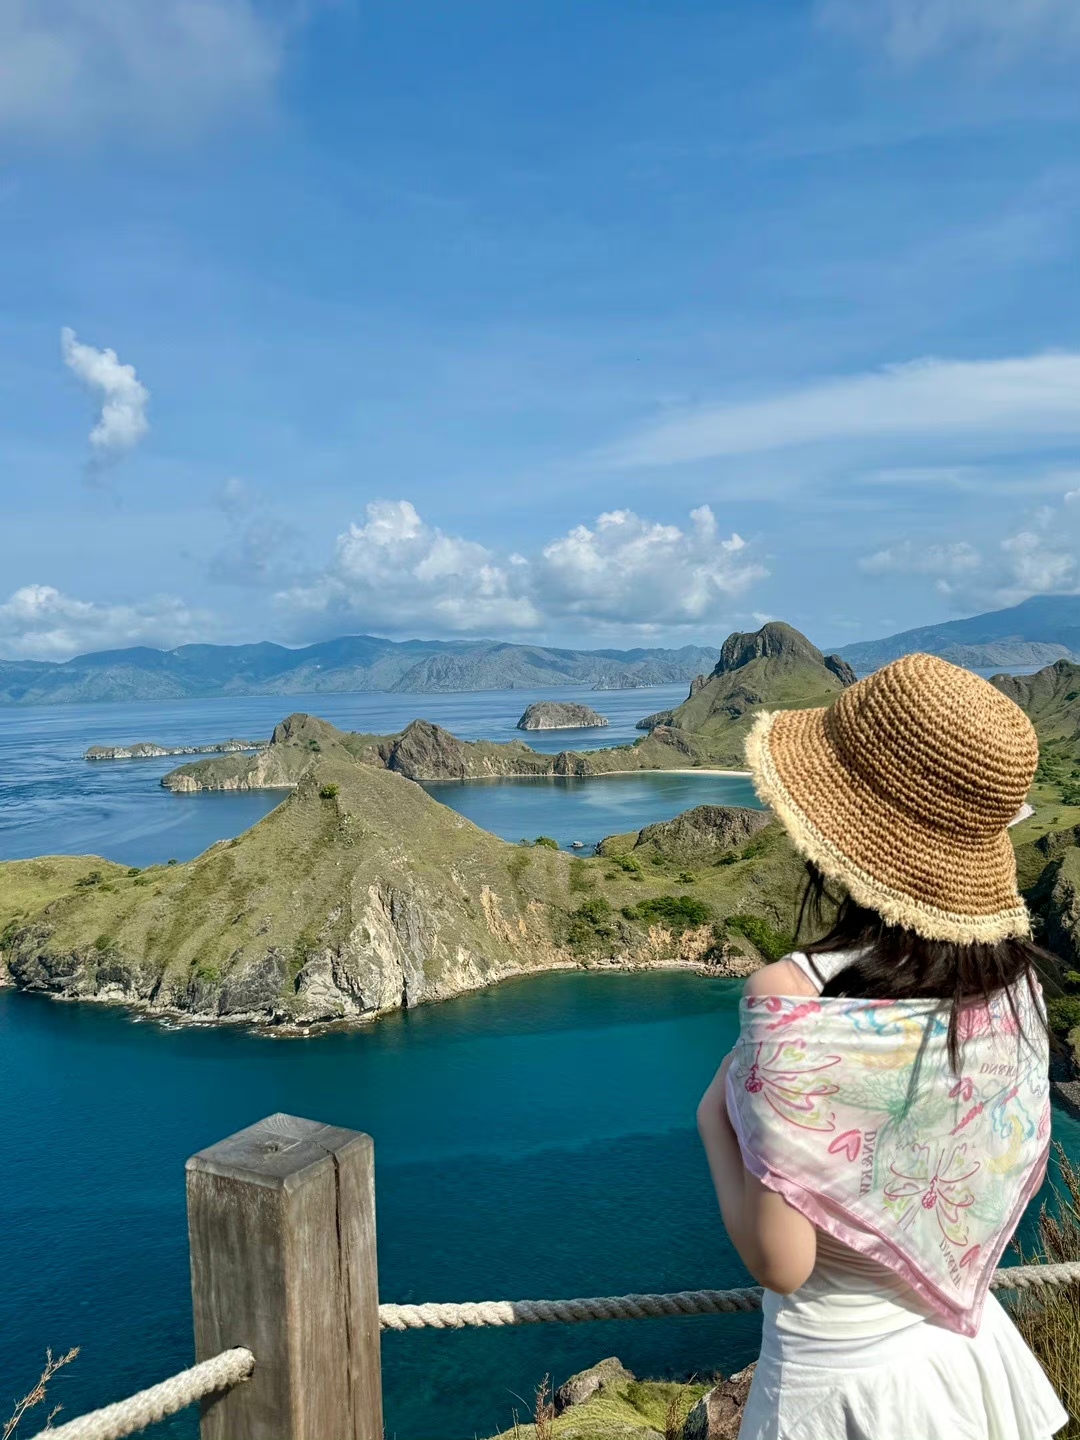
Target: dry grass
[1049,1319]
[38,1394]
[679,1405]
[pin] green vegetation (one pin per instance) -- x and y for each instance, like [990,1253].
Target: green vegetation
[591,926]
[773,944]
[617,1411]
[1063,1014]
[582,878]
[328,792]
[547,842]
[676,912]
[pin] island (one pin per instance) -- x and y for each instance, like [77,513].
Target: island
[147,750]
[560,715]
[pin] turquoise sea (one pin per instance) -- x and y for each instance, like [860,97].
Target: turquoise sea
[532,1140]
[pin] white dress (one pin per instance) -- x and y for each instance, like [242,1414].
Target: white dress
[854,1354]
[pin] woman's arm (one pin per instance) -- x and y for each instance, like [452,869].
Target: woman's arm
[775,1243]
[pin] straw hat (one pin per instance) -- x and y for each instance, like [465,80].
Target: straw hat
[902,790]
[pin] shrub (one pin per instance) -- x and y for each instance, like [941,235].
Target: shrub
[773,944]
[134,870]
[103,943]
[686,877]
[93,878]
[593,921]
[1063,1013]
[328,792]
[173,861]
[630,863]
[546,842]
[1072,977]
[314,745]
[677,912]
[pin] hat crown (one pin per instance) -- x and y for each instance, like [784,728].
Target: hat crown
[939,743]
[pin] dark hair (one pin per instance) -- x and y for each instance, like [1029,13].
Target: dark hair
[894,963]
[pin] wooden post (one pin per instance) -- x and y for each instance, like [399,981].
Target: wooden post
[281,1223]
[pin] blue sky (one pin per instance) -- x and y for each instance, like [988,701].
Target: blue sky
[608,323]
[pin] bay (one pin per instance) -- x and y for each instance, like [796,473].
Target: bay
[52,801]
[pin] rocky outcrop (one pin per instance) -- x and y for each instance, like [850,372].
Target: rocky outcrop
[147,750]
[841,669]
[774,641]
[606,1402]
[560,715]
[702,835]
[580,1388]
[650,722]
[718,1415]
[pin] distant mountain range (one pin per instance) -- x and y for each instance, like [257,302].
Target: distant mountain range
[354,662]
[1038,632]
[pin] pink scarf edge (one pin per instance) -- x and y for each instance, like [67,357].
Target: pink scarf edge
[964,1319]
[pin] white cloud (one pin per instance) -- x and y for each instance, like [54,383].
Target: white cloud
[1025,398]
[72,68]
[39,622]
[1041,556]
[122,422]
[915,30]
[906,558]
[395,572]
[629,571]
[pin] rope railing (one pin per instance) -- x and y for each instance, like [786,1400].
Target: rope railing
[126,1417]
[451,1316]
[232,1367]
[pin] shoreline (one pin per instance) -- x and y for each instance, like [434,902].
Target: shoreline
[258,1024]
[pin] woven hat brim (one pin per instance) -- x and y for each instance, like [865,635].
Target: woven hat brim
[887,861]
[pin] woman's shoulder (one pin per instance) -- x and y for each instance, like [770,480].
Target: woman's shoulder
[782,977]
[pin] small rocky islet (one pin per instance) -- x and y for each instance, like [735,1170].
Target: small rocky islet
[148,750]
[560,715]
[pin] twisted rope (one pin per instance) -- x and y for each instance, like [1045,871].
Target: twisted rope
[642,1307]
[224,1371]
[1024,1277]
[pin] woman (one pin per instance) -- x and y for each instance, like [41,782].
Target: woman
[883,1120]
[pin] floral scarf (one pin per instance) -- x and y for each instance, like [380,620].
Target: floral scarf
[851,1111]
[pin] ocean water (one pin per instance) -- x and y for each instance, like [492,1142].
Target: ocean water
[578,1173]
[52,801]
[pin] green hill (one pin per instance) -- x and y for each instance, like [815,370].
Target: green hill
[774,668]
[359,894]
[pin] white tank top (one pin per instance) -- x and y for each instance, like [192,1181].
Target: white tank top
[846,1295]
